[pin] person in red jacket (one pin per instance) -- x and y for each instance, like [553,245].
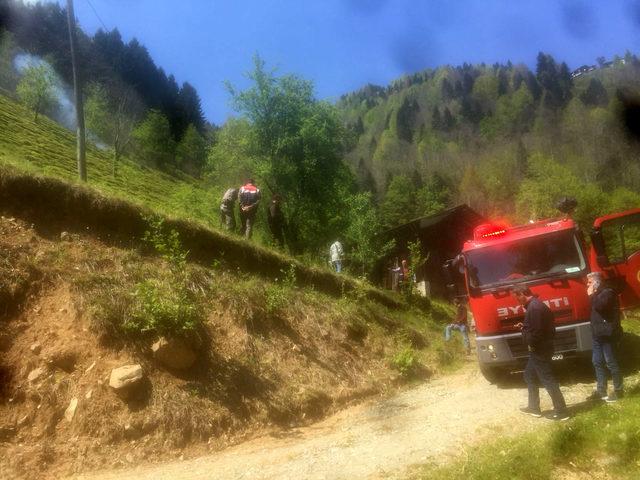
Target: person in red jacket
[249,197]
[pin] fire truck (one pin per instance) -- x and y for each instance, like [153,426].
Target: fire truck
[552,258]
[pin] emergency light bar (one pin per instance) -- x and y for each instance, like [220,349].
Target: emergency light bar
[488,230]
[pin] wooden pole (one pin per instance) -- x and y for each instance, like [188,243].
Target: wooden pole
[77,89]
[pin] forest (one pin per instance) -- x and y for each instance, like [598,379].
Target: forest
[505,139]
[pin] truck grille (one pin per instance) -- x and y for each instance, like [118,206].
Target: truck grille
[564,341]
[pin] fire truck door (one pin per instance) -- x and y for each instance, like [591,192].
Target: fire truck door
[615,251]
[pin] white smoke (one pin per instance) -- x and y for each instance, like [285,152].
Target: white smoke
[65,113]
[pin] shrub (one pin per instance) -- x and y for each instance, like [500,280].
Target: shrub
[277,294]
[405,361]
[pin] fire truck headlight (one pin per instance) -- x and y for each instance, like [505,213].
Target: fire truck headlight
[490,348]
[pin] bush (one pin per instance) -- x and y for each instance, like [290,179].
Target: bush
[405,361]
[277,294]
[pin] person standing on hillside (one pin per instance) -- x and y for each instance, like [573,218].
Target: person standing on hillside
[227,216]
[249,196]
[606,332]
[460,323]
[538,331]
[275,219]
[336,253]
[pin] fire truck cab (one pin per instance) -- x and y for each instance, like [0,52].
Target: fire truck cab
[551,258]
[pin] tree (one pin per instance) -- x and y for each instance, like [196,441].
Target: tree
[362,234]
[595,95]
[112,118]
[36,89]
[191,152]
[8,76]
[399,203]
[298,142]
[154,144]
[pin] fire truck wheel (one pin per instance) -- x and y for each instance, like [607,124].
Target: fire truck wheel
[492,374]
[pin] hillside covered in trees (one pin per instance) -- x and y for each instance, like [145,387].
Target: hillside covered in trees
[502,138]
[505,139]
[123,83]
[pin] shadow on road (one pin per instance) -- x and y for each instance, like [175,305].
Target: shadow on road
[580,370]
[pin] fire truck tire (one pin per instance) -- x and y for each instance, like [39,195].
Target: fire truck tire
[492,374]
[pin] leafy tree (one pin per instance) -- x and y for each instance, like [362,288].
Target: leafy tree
[298,142]
[154,144]
[362,234]
[36,89]
[112,118]
[595,95]
[8,76]
[232,156]
[191,152]
[399,203]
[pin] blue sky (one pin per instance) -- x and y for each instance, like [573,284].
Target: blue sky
[343,44]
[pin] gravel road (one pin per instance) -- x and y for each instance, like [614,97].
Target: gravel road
[432,422]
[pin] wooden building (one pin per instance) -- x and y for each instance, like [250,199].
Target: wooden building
[441,237]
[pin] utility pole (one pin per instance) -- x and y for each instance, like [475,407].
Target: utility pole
[77,88]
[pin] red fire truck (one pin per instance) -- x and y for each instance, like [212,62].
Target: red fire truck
[552,259]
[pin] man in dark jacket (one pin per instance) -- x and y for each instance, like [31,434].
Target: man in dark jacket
[606,333]
[538,331]
[275,220]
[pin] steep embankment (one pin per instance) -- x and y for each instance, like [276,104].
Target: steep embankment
[268,354]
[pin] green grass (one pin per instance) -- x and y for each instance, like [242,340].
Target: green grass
[46,148]
[603,438]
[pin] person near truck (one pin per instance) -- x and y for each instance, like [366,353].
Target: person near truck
[460,323]
[538,331]
[606,333]
[227,217]
[249,196]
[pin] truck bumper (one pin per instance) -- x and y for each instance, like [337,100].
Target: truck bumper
[509,350]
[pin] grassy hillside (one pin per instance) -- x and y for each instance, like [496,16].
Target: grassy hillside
[46,148]
[269,354]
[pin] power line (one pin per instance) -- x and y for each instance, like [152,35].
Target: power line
[97,16]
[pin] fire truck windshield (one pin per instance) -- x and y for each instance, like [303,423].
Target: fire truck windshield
[553,254]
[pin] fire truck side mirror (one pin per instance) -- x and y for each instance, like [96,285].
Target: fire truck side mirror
[597,242]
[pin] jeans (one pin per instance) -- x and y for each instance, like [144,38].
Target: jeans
[337,265]
[463,330]
[604,354]
[539,371]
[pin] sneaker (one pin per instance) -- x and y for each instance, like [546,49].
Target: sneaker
[531,411]
[613,397]
[559,416]
[596,396]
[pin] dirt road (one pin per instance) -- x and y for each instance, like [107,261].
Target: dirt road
[379,439]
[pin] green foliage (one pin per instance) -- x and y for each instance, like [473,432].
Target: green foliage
[165,308]
[405,361]
[111,117]
[166,244]
[365,245]
[8,75]
[191,152]
[278,293]
[35,89]
[547,182]
[399,204]
[154,144]
[297,142]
